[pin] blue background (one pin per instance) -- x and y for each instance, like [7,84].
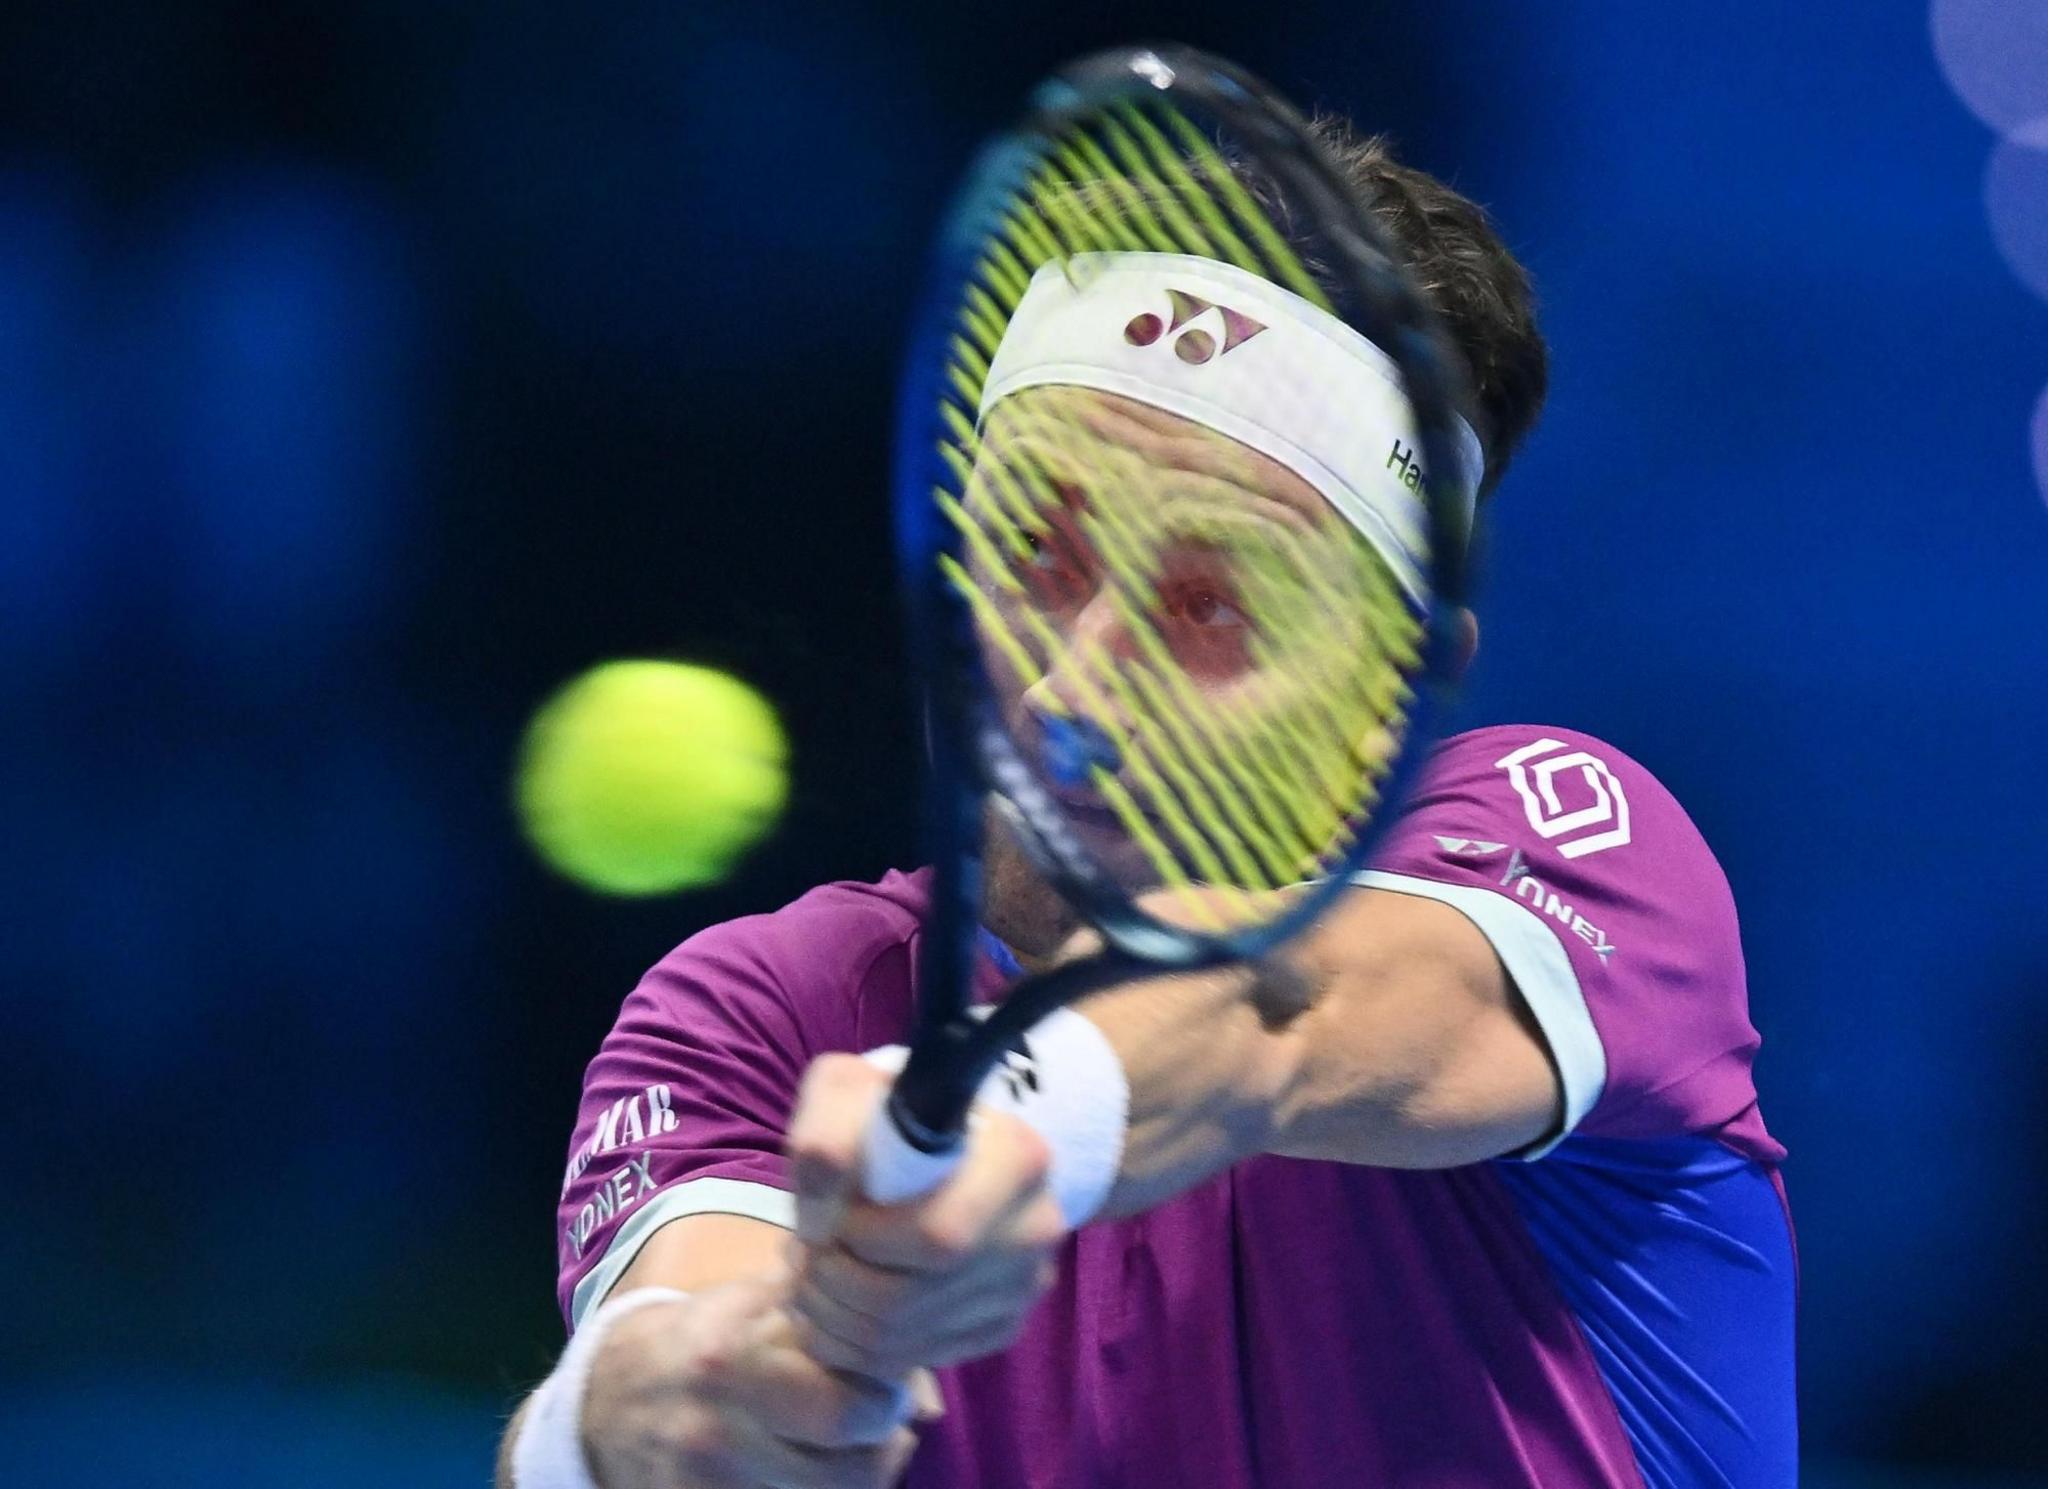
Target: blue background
[365,372]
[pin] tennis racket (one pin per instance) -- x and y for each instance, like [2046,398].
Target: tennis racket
[1183,503]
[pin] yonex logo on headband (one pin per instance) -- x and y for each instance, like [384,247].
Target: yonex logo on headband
[1194,345]
[1313,395]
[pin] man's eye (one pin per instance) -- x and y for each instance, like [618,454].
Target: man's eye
[1056,575]
[1207,608]
[1050,553]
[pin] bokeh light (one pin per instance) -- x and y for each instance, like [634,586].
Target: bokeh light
[2016,197]
[279,366]
[1995,55]
[2040,443]
[45,296]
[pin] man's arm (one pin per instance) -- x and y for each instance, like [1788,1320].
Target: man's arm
[715,1388]
[1389,1035]
[699,1252]
[696,1252]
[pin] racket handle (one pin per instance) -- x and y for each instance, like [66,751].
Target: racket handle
[894,1169]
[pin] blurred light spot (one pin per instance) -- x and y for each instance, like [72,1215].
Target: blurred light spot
[279,372]
[1995,55]
[278,909]
[715,194]
[803,181]
[183,1429]
[2016,197]
[2041,444]
[44,316]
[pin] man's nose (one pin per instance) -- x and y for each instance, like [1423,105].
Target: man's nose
[1073,682]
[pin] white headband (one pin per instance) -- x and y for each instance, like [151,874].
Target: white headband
[1240,355]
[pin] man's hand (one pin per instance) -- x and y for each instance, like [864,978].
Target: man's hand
[717,1393]
[946,1277]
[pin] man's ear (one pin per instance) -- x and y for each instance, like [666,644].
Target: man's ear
[1468,640]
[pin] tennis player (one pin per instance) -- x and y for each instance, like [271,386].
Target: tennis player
[1473,1191]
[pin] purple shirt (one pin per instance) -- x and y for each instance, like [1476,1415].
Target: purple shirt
[1615,1311]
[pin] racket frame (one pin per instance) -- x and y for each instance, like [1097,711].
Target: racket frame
[972,754]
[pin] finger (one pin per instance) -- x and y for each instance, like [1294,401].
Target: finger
[927,1403]
[984,1326]
[702,1450]
[837,1274]
[1087,941]
[989,1328]
[840,1095]
[841,1338]
[1031,1224]
[864,1304]
[769,1460]
[970,1327]
[1005,1164]
[797,1333]
[915,1334]
[797,1398]
[841,1355]
[895,1456]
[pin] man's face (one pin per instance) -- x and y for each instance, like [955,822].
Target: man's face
[1156,602]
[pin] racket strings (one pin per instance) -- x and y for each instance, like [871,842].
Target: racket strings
[1220,802]
[1167,696]
[1178,787]
[1314,750]
[1227,801]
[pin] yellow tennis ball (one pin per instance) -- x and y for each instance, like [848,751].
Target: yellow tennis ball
[645,777]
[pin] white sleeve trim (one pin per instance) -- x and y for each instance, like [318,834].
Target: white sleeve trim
[1542,974]
[692,1197]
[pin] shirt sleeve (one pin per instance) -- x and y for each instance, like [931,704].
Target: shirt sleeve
[1608,911]
[685,1105]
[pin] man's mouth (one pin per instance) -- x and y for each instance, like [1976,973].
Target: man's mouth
[1086,809]
[1072,749]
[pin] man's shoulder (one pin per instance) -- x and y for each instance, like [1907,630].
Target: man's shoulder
[1612,914]
[891,907]
[1534,747]
[1576,793]
[1573,810]
[826,931]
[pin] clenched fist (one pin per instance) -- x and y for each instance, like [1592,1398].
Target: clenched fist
[717,1392]
[945,1277]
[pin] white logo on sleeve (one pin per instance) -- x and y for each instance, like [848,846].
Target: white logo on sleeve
[622,1124]
[1468,847]
[1587,819]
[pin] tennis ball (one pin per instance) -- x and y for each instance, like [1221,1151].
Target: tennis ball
[645,777]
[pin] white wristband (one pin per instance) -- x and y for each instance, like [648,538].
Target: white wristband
[549,1453]
[1067,1083]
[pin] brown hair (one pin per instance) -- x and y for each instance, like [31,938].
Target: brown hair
[1477,287]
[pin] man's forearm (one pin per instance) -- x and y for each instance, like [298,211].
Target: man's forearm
[1388,1035]
[707,1388]
[1301,1054]
[1207,1077]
